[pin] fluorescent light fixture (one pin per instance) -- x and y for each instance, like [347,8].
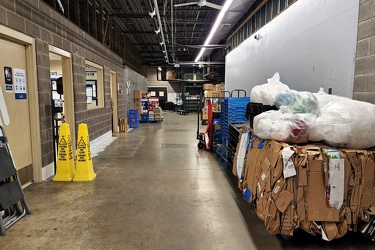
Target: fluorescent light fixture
[158,30]
[161,43]
[214,28]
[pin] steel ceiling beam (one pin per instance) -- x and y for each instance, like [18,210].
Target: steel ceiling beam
[130,16]
[146,44]
[140,32]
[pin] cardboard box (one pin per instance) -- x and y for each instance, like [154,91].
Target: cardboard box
[123,125]
[137,94]
[205,114]
[158,110]
[208,86]
[171,74]
[208,93]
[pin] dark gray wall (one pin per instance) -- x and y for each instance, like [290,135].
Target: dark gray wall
[364,80]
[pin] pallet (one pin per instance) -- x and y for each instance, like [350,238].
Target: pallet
[183,112]
[155,121]
[222,156]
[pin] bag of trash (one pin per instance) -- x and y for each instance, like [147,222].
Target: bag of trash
[324,98]
[266,93]
[345,123]
[284,98]
[286,127]
[304,102]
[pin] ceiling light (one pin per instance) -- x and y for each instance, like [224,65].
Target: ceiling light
[158,30]
[159,68]
[214,28]
[176,65]
[152,14]
[161,44]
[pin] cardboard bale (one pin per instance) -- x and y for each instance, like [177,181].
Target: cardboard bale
[251,161]
[361,185]
[317,209]
[272,218]
[355,157]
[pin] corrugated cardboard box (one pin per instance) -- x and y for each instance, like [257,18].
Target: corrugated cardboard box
[204,114]
[208,93]
[137,94]
[208,86]
[123,125]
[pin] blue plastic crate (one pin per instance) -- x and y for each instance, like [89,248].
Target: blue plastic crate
[144,118]
[134,123]
[133,114]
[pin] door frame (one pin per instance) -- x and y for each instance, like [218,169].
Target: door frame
[32,80]
[114,100]
[67,73]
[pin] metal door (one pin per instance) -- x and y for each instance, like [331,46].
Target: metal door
[14,106]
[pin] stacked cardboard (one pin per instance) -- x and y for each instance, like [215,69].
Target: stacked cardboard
[322,191]
[138,103]
[158,113]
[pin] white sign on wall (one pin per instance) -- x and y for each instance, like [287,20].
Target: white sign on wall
[20,84]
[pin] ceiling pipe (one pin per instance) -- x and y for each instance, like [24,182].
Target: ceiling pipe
[172,18]
[161,30]
[201,62]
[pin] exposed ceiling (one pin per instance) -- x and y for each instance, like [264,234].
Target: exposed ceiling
[184,28]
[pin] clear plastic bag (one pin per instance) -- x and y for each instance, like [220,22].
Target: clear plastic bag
[304,102]
[284,98]
[345,123]
[266,93]
[286,127]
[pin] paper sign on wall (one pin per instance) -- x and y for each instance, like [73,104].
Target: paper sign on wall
[20,84]
[8,76]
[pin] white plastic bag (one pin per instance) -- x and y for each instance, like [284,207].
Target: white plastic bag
[324,99]
[266,93]
[286,127]
[345,123]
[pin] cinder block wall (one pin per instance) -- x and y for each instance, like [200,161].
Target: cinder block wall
[364,75]
[47,26]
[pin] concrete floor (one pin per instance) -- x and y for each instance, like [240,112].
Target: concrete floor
[154,190]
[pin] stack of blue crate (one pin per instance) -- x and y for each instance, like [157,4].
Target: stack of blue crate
[233,110]
[133,118]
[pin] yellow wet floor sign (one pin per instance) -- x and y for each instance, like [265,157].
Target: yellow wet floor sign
[84,167]
[65,163]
